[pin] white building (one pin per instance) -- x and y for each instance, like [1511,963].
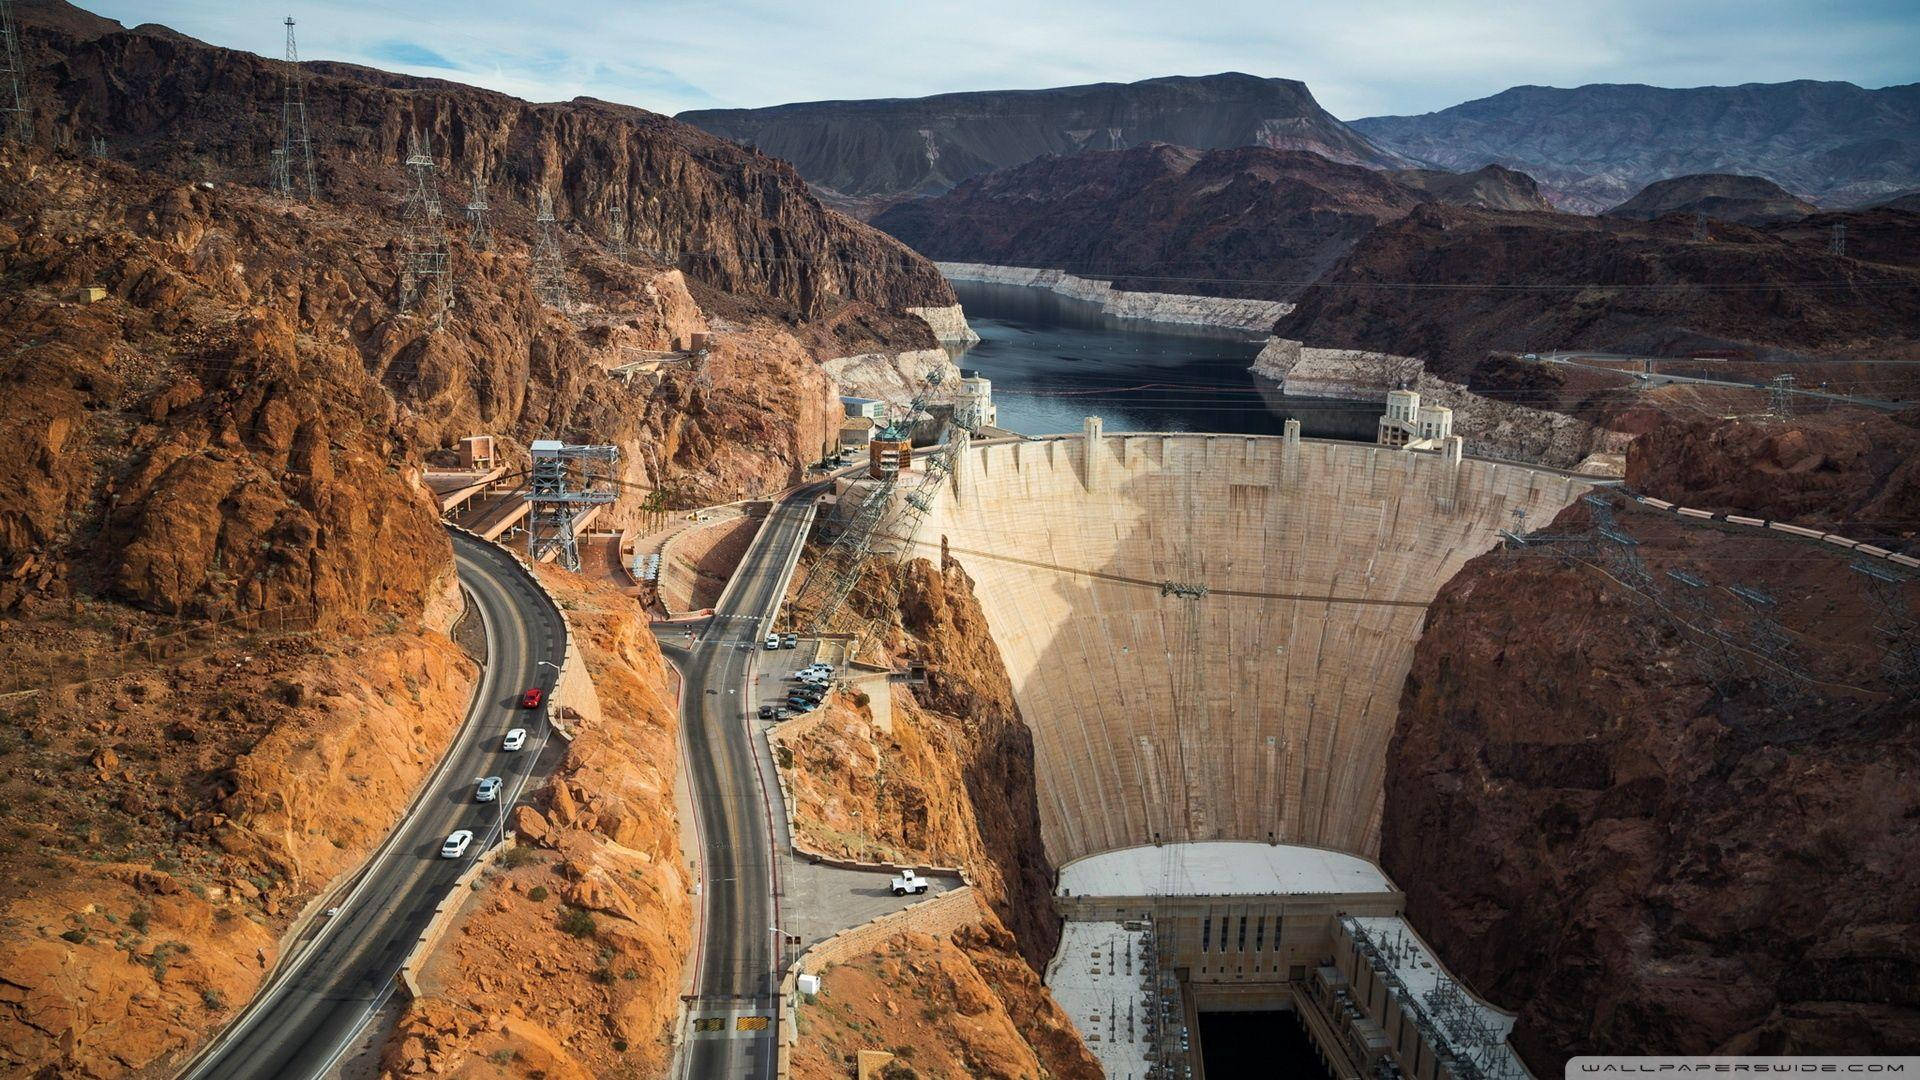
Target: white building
[1413,426]
[973,403]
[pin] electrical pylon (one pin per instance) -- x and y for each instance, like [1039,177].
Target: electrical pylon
[479,236]
[18,119]
[293,169]
[424,286]
[549,276]
[617,231]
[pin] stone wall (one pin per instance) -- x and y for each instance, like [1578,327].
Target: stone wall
[1177,309]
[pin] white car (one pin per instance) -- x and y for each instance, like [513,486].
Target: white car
[773,642]
[456,844]
[488,790]
[515,739]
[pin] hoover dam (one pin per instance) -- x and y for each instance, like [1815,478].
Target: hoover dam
[1208,634]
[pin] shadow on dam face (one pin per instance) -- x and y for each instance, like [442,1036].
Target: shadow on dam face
[1237,1045]
[1208,635]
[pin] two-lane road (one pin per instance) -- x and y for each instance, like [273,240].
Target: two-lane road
[302,1021]
[740,967]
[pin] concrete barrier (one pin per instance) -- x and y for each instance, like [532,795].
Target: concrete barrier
[1835,539]
[443,916]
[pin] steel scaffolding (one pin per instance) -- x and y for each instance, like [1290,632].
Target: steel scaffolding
[565,481]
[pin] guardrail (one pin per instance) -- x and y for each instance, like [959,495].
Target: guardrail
[1834,539]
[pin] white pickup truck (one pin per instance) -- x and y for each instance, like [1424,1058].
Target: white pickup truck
[909,882]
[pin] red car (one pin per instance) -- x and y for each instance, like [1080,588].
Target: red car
[530,699]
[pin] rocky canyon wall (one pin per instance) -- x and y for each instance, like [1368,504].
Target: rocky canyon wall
[1638,855]
[1171,309]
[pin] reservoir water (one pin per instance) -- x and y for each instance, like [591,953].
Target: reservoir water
[1054,360]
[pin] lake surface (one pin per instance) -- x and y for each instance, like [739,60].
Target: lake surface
[1055,360]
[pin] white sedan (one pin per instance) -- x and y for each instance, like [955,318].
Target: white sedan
[515,739]
[456,844]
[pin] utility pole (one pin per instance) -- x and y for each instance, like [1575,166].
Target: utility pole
[293,167]
[18,118]
[477,214]
[424,284]
[549,275]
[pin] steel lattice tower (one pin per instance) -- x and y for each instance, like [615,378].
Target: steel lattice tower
[1780,397]
[617,231]
[549,276]
[1837,243]
[477,214]
[565,480]
[424,284]
[18,118]
[296,141]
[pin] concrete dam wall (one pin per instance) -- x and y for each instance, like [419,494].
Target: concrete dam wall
[1208,634]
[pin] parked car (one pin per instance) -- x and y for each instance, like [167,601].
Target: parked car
[531,699]
[766,712]
[515,739]
[487,790]
[456,844]
[773,642]
[909,882]
[789,641]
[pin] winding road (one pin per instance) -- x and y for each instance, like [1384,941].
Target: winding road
[739,966]
[302,1021]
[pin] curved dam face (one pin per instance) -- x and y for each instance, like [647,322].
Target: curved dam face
[1208,634]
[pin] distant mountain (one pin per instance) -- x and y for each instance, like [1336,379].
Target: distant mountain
[1749,200]
[1173,219]
[865,153]
[1490,188]
[1595,146]
[1562,281]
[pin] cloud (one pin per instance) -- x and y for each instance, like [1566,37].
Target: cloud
[1360,57]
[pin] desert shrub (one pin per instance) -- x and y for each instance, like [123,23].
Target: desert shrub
[76,935]
[578,922]
[537,894]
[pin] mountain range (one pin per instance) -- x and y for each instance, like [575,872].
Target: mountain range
[1594,146]
[867,154]
[1591,148]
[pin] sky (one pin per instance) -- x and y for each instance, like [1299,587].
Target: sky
[1359,57]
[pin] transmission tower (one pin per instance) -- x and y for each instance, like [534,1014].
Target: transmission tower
[293,168]
[549,275]
[477,214]
[97,146]
[1780,397]
[617,231]
[18,118]
[566,480]
[424,285]
[1699,226]
[1837,243]
[1894,622]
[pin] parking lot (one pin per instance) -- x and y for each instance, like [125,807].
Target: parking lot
[774,670]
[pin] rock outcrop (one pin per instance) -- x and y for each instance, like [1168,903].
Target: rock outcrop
[1489,187]
[1612,285]
[952,783]
[918,146]
[1243,222]
[567,957]
[1748,200]
[738,221]
[1593,146]
[891,377]
[963,1003]
[1633,854]
[1171,310]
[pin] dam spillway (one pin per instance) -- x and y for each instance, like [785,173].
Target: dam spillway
[1208,635]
